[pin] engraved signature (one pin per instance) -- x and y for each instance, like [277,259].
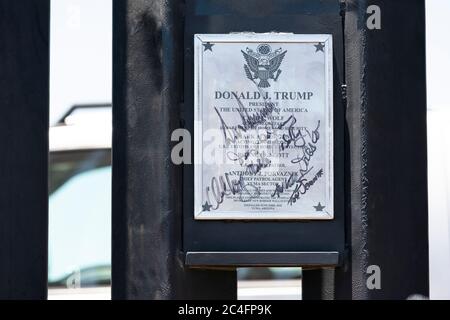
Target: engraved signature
[302,141]
[302,187]
[224,186]
[289,182]
[233,133]
[296,137]
[306,142]
[253,160]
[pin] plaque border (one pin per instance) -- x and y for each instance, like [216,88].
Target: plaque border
[199,40]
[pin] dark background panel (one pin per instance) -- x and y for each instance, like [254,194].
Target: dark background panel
[299,17]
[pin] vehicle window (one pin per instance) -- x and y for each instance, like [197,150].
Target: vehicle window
[80,219]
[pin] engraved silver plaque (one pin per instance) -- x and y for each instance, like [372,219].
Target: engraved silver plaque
[263,126]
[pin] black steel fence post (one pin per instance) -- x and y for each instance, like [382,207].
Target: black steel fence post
[24,97]
[318,284]
[386,77]
[386,117]
[147,257]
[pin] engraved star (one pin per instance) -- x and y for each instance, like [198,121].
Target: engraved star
[207,206]
[319,47]
[319,207]
[208,46]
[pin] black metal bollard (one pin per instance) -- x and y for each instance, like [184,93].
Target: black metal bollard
[24,97]
[387,213]
[147,260]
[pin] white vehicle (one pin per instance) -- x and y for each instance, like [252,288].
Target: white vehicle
[80,199]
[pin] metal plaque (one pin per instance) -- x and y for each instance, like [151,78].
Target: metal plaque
[263,126]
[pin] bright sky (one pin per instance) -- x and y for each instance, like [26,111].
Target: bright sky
[438,53]
[81,54]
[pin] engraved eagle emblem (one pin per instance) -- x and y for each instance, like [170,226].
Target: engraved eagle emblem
[263,64]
